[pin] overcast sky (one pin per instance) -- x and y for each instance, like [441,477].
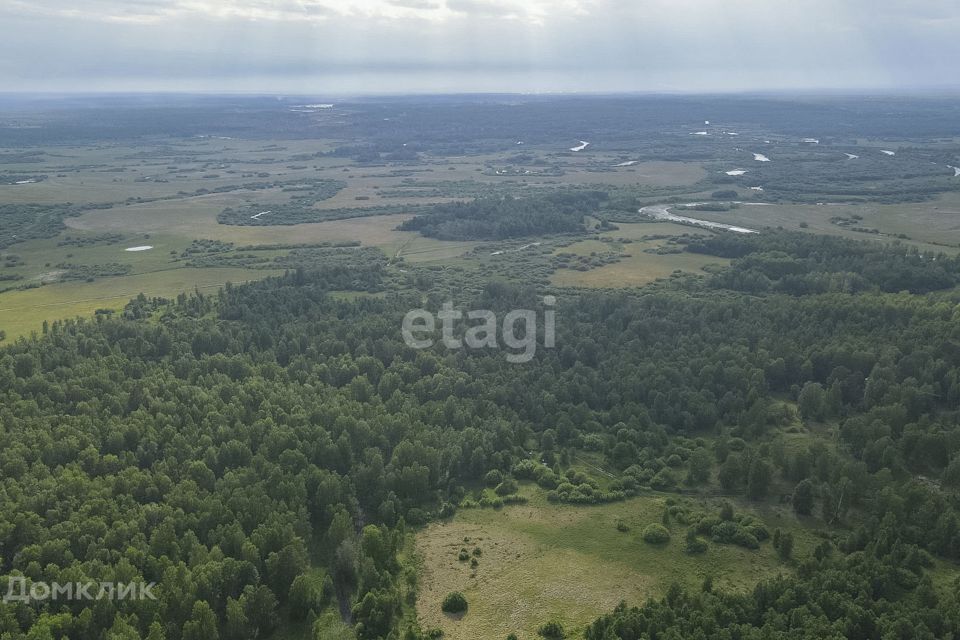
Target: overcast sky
[339,47]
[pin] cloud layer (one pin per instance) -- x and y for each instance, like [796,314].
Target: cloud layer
[332,46]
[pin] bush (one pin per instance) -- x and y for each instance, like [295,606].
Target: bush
[724,532]
[737,444]
[552,631]
[506,487]
[758,531]
[743,538]
[656,534]
[695,544]
[706,525]
[679,513]
[785,546]
[726,511]
[725,194]
[525,470]
[496,503]
[493,478]
[663,480]
[455,602]
[734,533]
[548,480]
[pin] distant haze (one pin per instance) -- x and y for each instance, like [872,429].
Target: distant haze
[408,46]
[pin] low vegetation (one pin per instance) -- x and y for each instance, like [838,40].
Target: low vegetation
[656,534]
[454,603]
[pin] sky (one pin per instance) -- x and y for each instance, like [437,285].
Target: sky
[349,47]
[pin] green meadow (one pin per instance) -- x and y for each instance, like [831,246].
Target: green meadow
[541,561]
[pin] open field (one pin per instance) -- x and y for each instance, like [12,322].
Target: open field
[168,193]
[196,218]
[160,271]
[640,264]
[933,225]
[115,172]
[22,312]
[543,561]
[170,227]
[167,190]
[937,221]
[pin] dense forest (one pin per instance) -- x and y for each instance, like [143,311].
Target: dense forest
[28,221]
[262,454]
[498,218]
[800,263]
[877,593]
[299,208]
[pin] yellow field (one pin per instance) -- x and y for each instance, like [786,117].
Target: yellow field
[544,562]
[22,312]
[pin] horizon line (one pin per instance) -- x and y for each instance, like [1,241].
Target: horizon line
[924,90]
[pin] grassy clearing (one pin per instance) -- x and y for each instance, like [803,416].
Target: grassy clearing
[586,168]
[945,575]
[542,562]
[170,227]
[195,218]
[416,248]
[40,256]
[933,225]
[640,263]
[655,174]
[937,221]
[24,311]
[113,173]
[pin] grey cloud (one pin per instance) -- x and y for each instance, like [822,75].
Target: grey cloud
[469,45]
[416,4]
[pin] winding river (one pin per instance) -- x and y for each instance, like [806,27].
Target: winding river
[662,212]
